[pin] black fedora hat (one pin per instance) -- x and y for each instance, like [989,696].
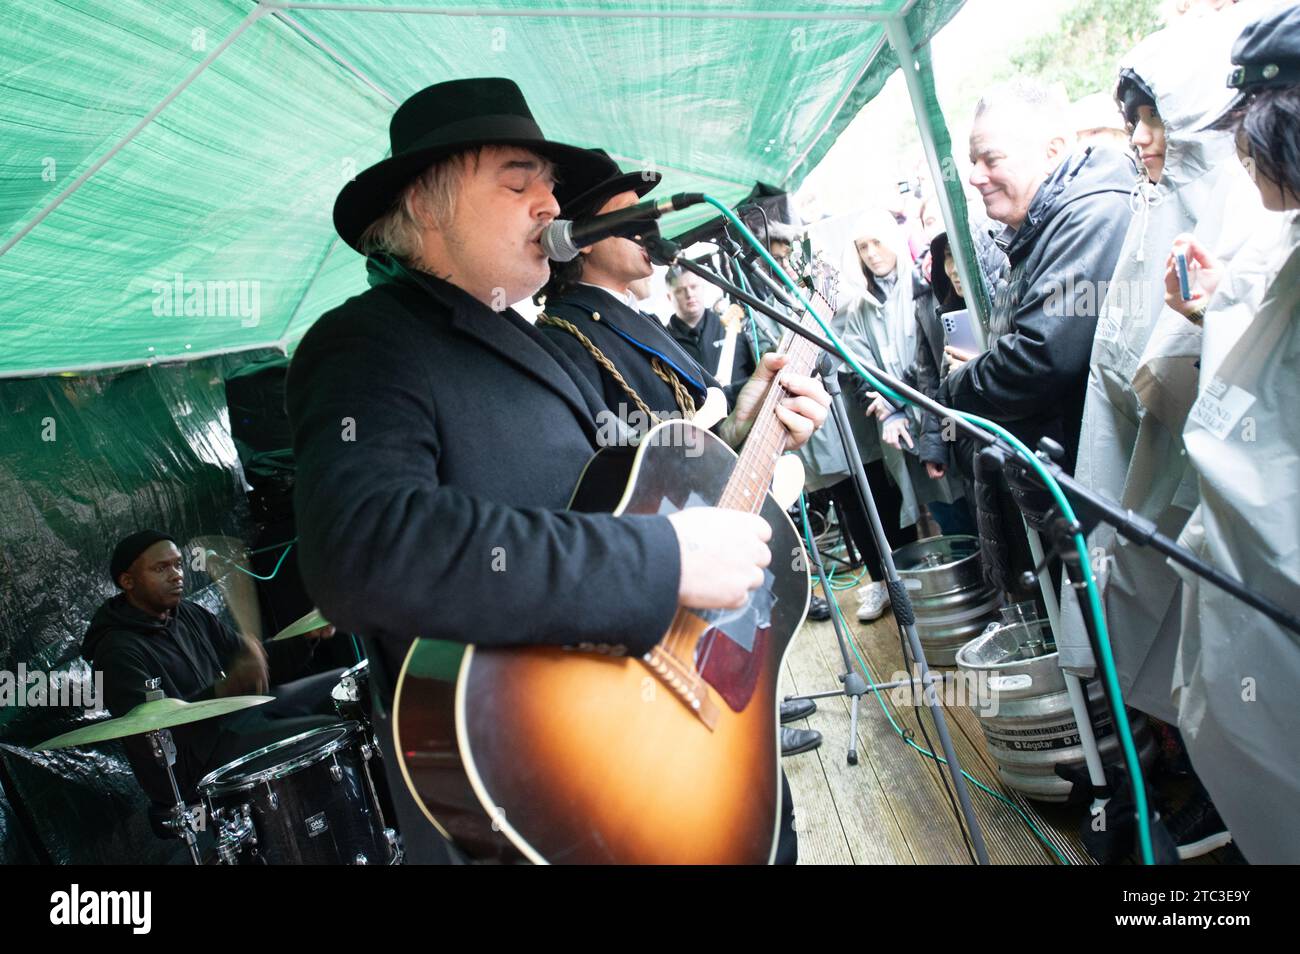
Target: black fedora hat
[611,182]
[444,119]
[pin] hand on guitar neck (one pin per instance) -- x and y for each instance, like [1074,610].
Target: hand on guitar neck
[801,411]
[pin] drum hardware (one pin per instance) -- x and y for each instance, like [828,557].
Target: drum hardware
[181,822]
[344,824]
[154,718]
[184,820]
[235,833]
[351,701]
[371,751]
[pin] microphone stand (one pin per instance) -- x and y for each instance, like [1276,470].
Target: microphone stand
[665,253]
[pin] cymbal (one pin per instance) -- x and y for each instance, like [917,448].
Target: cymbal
[313,620]
[151,716]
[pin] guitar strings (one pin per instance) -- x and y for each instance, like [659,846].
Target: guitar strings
[798,349]
[677,642]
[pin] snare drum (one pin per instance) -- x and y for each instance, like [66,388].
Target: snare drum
[307,800]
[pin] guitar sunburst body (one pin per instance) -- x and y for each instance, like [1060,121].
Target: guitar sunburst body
[573,756]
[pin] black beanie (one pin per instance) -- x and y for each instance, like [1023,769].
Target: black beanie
[128,548]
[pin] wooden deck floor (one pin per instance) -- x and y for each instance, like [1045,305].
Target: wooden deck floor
[891,808]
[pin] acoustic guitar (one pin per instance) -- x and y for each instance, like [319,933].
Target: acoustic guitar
[570,755]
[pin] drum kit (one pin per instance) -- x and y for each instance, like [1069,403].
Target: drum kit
[312,799]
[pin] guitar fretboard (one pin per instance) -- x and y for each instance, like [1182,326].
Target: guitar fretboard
[767,438]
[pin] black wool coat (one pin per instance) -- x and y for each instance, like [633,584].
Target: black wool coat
[438,443]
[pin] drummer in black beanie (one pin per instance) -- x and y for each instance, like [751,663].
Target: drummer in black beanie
[150,631]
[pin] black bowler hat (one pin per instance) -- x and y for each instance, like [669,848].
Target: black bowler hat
[128,548]
[444,119]
[611,182]
[1267,53]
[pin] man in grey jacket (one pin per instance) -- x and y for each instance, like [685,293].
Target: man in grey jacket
[1065,215]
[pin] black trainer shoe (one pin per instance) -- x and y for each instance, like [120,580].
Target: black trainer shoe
[794,741]
[1197,828]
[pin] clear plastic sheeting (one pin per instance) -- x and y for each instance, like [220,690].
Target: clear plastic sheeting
[207,228]
[87,461]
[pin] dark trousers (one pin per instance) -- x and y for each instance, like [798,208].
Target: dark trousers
[787,846]
[855,524]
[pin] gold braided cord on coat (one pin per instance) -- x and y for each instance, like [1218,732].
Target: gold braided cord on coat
[685,402]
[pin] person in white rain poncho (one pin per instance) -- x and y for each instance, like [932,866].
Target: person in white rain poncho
[1169,88]
[1237,673]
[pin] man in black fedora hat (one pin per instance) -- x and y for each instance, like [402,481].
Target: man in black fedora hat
[439,435]
[591,313]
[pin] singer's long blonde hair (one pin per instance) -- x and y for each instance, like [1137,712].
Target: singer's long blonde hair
[428,199]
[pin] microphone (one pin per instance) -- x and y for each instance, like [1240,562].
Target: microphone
[562,238]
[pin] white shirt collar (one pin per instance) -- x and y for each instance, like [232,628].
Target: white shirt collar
[626,297]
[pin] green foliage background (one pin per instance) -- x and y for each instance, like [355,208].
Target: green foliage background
[1083,52]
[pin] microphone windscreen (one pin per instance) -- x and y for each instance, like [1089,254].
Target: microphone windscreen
[557,241]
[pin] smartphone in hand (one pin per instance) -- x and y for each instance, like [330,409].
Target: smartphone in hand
[959,330]
[1184,285]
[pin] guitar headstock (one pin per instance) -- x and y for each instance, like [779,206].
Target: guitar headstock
[821,286]
[733,318]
